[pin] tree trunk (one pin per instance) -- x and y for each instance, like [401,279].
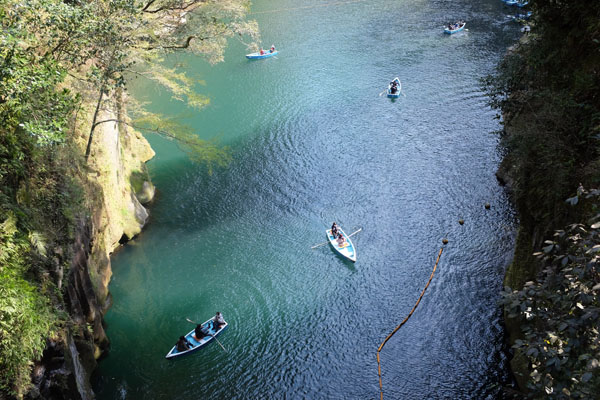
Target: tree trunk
[91,136]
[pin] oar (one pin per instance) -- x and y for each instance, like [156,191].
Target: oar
[214,337]
[382,92]
[354,233]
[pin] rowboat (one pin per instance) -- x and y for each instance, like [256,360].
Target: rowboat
[389,90]
[346,249]
[258,56]
[195,343]
[455,28]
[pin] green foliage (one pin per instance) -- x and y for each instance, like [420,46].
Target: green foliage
[546,89]
[207,152]
[26,318]
[559,314]
[56,58]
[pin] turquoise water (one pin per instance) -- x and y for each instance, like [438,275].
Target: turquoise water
[312,142]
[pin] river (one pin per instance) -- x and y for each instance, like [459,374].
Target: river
[312,141]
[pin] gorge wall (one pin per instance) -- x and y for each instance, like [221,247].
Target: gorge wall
[116,189]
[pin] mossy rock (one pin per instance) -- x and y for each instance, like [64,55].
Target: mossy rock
[146,194]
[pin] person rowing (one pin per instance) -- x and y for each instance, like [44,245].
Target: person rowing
[341,240]
[200,332]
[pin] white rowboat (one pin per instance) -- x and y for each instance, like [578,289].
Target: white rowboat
[347,249]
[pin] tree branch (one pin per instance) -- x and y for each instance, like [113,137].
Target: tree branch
[181,46]
[142,128]
[171,8]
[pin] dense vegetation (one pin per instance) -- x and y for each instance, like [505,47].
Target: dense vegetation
[548,90]
[61,63]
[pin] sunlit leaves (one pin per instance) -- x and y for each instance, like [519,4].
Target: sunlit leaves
[560,315]
[25,316]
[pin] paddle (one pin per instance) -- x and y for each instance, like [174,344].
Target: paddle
[354,233]
[324,243]
[214,337]
[382,92]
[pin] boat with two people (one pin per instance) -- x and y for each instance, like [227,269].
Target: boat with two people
[207,332]
[341,242]
[454,28]
[394,88]
[262,53]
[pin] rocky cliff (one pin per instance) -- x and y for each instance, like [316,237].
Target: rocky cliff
[117,186]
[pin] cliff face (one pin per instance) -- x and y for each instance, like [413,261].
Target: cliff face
[117,185]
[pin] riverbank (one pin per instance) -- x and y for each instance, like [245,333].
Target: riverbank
[546,90]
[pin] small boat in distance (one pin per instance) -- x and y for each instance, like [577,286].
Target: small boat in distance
[453,28]
[346,249]
[262,54]
[394,88]
[197,344]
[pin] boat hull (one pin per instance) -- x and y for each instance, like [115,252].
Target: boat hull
[196,344]
[453,31]
[347,250]
[258,56]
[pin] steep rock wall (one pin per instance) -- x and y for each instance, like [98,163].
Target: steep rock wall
[117,183]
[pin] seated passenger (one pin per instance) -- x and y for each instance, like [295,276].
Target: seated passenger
[272,48]
[262,51]
[183,344]
[200,332]
[218,320]
[341,240]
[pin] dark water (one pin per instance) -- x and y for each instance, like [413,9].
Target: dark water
[311,142]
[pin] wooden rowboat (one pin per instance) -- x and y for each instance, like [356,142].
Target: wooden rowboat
[197,344]
[347,249]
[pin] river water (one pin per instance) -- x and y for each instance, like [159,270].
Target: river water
[312,142]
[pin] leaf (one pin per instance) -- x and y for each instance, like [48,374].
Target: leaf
[596,225]
[532,352]
[580,306]
[562,326]
[547,249]
[573,200]
[586,377]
